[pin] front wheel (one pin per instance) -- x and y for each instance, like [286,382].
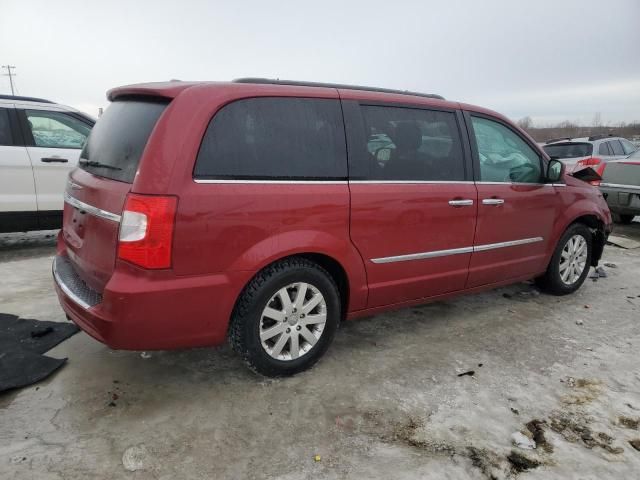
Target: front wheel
[286,317]
[569,265]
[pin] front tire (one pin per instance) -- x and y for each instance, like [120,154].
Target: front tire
[569,265]
[286,317]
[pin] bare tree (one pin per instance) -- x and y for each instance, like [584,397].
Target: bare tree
[597,120]
[525,123]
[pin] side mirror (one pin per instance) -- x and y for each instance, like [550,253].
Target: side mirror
[383,154]
[555,170]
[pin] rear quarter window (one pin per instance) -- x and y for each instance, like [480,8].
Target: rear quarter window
[274,138]
[115,145]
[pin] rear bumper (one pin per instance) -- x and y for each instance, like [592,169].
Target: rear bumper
[622,199]
[143,310]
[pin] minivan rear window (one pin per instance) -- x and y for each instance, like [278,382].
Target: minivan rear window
[569,150]
[275,138]
[116,143]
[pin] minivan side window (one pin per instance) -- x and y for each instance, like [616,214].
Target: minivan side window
[56,129]
[604,149]
[408,144]
[504,156]
[275,138]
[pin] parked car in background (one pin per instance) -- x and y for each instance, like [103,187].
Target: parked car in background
[594,151]
[40,143]
[620,186]
[256,211]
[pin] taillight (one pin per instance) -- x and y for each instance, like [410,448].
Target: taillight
[599,171]
[592,162]
[146,230]
[589,162]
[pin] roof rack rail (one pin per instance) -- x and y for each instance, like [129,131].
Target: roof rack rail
[271,81]
[554,140]
[601,135]
[24,99]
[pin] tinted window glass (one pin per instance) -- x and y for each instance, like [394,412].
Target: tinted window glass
[5,128]
[616,146]
[412,144]
[603,149]
[56,129]
[282,138]
[628,146]
[569,150]
[117,141]
[504,156]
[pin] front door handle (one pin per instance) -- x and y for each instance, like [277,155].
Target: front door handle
[493,201]
[461,202]
[54,160]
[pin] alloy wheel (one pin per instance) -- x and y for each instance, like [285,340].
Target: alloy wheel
[293,321]
[573,259]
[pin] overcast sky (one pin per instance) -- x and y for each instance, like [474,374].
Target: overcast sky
[553,60]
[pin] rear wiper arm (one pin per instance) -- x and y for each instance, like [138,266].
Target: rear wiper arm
[93,163]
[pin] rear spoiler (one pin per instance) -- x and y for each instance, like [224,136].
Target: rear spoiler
[168,90]
[554,140]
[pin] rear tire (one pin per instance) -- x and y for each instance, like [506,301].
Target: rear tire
[286,317]
[570,263]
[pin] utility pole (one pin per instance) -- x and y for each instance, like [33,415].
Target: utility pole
[10,75]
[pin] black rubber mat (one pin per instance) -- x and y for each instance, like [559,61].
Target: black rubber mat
[22,343]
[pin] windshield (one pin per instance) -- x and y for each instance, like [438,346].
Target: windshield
[569,150]
[116,143]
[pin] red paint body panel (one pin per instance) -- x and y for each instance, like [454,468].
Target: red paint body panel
[398,219]
[528,212]
[579,199]
[150,310]
[224,227]
[226,232]
[90,240]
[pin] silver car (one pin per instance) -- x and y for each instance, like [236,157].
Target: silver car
[594,151]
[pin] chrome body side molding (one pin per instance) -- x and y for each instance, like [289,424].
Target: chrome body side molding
[456,251]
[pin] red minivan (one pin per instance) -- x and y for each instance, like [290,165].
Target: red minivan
[266,212]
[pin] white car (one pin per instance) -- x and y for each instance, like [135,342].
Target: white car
[594,151]
[40,142]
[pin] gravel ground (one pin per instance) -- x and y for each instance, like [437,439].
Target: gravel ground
[387,401]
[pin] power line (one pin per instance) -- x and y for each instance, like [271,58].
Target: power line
[10,74]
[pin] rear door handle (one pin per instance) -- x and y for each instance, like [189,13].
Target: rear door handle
[461,203]
[54,160]
[492,201]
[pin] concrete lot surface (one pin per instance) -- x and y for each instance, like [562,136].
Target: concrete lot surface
[385,402]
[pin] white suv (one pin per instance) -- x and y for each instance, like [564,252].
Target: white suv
[594,151]
[40,142]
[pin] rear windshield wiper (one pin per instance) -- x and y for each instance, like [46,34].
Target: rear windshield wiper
[93,163]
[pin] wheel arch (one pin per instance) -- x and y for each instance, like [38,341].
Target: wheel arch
[338,256]
[598,232]
[337,272]
[331,265]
